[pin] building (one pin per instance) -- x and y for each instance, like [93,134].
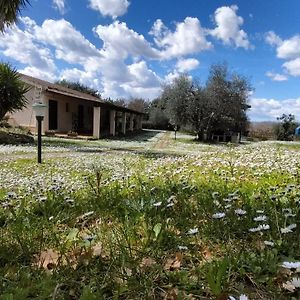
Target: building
[73,111]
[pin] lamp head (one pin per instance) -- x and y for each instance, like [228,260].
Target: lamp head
[39,109]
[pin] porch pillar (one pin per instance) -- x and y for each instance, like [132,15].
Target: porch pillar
[140,122]
[112,122]
[131,122]
[137,122]
[97,122]
[124,122]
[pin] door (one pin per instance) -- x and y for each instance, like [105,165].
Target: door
[80,118]
[52,115]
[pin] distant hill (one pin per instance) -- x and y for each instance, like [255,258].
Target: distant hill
[262,130]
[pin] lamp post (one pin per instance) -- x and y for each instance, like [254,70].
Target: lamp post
[39,109]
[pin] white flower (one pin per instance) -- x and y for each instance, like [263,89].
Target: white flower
[240,212]
[193,231]
[171,198]
[260,218]
[295,282]
[182,247]
[288,229]
[260,228]
[291,265]
[157,204]
[219,215]
[269,243]
[260,211]
[87,214]
[264,227]
[215,194]
[242,297]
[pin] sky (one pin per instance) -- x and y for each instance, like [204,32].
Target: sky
[131,48]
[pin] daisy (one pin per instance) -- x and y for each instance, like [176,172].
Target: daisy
[291,265]
[219,215]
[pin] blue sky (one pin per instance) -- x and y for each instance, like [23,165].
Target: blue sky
[130,48]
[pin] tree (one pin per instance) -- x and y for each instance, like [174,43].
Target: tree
[138,104]
[176,96]
[157,114]
[77,86]
[9,10]
[12,90]
[199,112]
[228,94]
[286,128]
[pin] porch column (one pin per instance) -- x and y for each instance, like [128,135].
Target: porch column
[124,122]
[112,122]
[140,122]
[137,118]
[97,122]
[131,122]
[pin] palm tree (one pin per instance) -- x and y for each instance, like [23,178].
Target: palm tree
[12,90]
[9,10]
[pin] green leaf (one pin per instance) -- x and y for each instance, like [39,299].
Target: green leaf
[72,236]
[157,229]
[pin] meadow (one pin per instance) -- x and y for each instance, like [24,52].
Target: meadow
[150,218]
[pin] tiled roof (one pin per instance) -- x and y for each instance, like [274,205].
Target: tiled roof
[59,89]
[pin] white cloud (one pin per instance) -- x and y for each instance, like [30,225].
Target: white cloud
[60,5]
[228,27]
[120,41]
[185,65]
[70,45]
[293,67]
[38,73]
[113,8]
[263,109]
[21,46]
[273,39]
[84,77]
[188,38]
[289,49]
[276,76]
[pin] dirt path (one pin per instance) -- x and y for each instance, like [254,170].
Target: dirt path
[164,142]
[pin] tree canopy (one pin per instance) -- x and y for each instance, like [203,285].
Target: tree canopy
[12,90]
[218,106]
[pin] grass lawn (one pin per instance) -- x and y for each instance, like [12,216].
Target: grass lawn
[150,218]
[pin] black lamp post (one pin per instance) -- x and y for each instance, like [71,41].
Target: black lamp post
[39,109]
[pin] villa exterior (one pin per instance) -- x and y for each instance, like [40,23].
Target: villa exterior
[70,110]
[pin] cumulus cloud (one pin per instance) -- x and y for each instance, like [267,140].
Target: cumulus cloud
[70,45]
[120,41]
[21,46]
[293,67]
[185,65]
[273,39]
[188,38]
[60,5]
[228,27]
[289,50]
[263,109]
[276,76]
[113,8]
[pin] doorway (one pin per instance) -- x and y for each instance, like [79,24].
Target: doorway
[52,115]
[80,118]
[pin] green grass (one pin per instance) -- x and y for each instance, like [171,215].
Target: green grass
[138,225]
